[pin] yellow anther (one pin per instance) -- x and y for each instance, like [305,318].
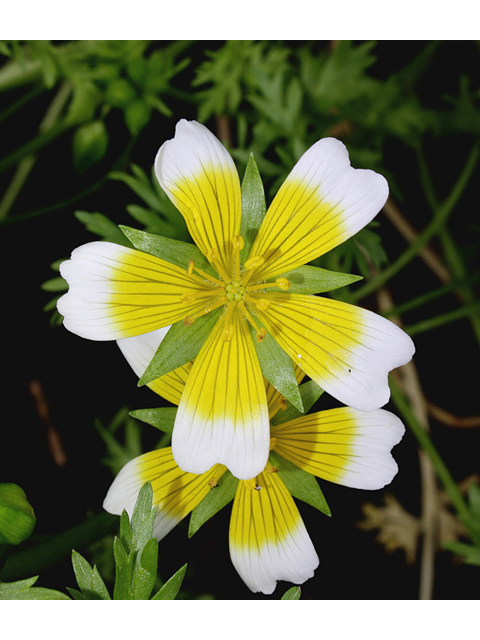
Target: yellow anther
[283,403]
[188,321]
[254,263]
[228,332]
[251,484]
[273,442]
[282,283]
[262,304]
[214,258]
[261,334]
[190,267]
[211,255]
[212,482]
[270,469]
[238,242]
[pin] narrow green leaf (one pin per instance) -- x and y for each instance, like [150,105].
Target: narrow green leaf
[145,571]
[170,589]
[17,518]
[292,594]
[253,206]
[162,418]
[123,571]
[88,579]
[174,251]
[180,345]
[76,595]
[215,500]
[310,280]
[15,591]
[310,392]
[126,535]
[143,517]
[302,485]
[469,553]
[277,367]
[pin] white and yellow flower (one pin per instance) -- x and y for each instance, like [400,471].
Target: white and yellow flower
[116,292]
[268,539]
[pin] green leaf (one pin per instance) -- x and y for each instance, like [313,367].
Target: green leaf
[89,580]
[253,206]
[469,553]
[302,485]
[216,499]
[90,142]
[310,392]
[23,590]
[54,284]
[123,570]
[174,251]
[145,571]
[180,345]
[310,280]
[143,517]
[292,594]
[170,589]
[277,367]
[17,518]
[162,418]
[102,226]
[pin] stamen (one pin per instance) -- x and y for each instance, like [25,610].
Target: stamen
[190,296]
[261,304]
[213,258]
[191,264]
[189,320]
[228,330]
[282,283]
[237,243]
[252,265]
[212,482]
[203,274]
[273,442]
[270,468]
[283,403]
[251,484]
[261,333]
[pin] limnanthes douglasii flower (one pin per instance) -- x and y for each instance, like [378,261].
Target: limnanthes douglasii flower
[268,539]
[117,292]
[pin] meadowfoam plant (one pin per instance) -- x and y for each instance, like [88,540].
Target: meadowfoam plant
[242,304]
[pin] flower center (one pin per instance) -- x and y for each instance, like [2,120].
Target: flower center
[234,292]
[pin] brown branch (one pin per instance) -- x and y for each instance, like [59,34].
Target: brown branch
[54,441]
[451,420]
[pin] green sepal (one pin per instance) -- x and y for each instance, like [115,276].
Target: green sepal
[310,280]
[174,251]
[277,367]
[310,392]
[292,594]
[253,206]
[89,580]
[170,589]
[214,501]
[301,484]
[162,418]
[23,590]
[180,345]
[17,518]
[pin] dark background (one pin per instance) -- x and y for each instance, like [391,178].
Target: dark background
[82,380]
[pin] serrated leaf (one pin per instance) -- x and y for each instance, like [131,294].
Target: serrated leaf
[292,594]
[253,206]
[277,367]
[180,345]
[174,251]
[88,579]
[310,392]
[214,501]
[170,589]
[302,485]
[17,518]
[162,418]
[310,280]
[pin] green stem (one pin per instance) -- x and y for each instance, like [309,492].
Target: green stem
[470,310]
[33,560]
[439,218]
[423,438]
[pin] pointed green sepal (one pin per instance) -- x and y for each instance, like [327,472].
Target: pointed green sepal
[180,345]
[302,485]
[253,206]
[277,367]
[311,280]
[172,586]
[310,392]
[162,418]
[174,251]
[216,499]
[292,594]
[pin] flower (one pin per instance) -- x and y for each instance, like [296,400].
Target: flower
[117,292]
[268,539]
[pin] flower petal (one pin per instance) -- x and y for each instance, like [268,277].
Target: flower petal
[346,350]
[175,493]
[139,351]
[323,202]
[343,445]
[200,178]
[268,539]
[223,414]
[117,292]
